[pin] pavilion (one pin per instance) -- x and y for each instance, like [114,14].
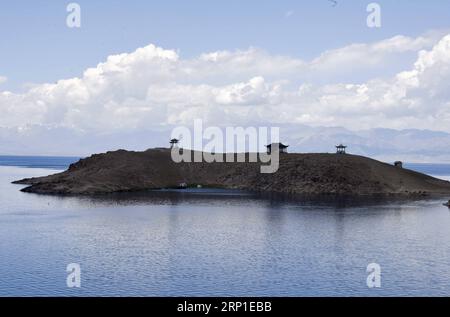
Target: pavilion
[341,149]
[277,147]
[174,143]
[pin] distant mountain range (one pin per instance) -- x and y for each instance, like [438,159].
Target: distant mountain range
[383,144]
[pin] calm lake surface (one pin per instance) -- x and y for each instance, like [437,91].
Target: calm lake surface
[208,243]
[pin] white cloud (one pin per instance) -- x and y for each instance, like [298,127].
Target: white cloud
[255,91]
[155,88]
[3,79]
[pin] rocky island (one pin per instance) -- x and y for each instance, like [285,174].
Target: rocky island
[122,171]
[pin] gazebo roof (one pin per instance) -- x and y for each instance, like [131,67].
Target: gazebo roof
[174,140]
[280,145]
[341,146]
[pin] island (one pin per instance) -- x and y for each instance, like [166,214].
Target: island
[330,174]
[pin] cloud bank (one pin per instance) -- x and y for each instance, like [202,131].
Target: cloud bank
[361,86]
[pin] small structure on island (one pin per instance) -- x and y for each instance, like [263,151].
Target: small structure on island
[174,143]
[276,147]
[398,164]
[341,149]
[182,185]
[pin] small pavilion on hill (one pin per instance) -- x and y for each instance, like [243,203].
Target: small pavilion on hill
[174,143]
[280,147]
[341,149]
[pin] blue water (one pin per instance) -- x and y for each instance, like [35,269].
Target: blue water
[50,162]
[207,243]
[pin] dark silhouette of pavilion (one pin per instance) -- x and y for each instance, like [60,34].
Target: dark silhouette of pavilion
[341,149]
[280,147]
[173,143]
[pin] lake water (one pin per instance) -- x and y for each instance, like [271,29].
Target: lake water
[208,243]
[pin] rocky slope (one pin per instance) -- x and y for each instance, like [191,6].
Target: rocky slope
[298,173]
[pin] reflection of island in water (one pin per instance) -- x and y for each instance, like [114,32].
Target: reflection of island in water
[230,198]
[305,174]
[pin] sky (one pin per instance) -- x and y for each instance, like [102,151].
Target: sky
[140,66]
[37,47]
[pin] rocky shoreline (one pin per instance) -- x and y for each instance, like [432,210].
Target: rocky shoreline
[310,174]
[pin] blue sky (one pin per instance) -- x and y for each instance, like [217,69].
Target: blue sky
[37,46]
